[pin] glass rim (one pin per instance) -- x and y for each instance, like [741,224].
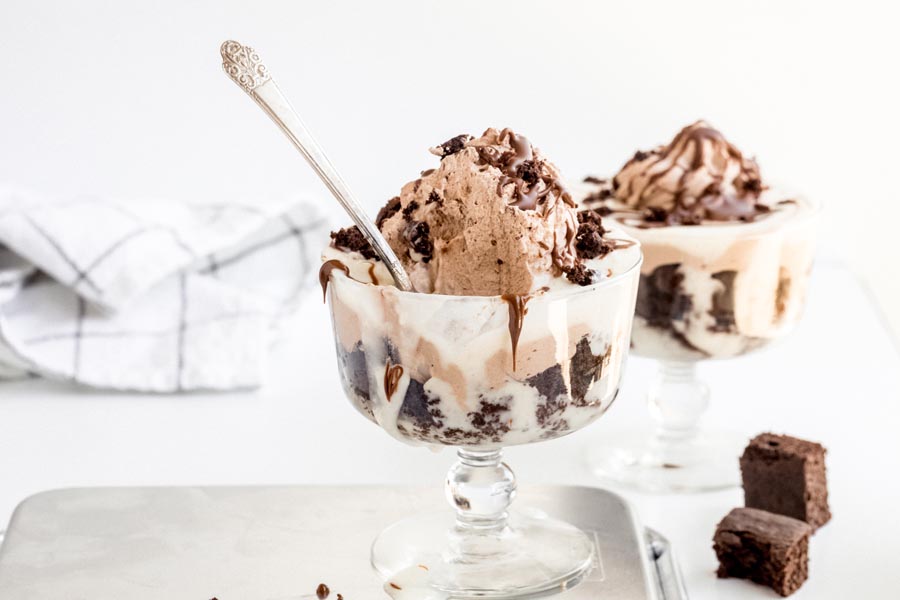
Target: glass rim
[811,210]
[548,295]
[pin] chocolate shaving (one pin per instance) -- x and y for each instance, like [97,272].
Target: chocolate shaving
[596,180]
[351,239]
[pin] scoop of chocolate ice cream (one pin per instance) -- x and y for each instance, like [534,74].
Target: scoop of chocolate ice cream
[698,176]
[492,218]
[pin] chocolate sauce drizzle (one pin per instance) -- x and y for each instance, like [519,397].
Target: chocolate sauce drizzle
[521,168]
[392,375]
[325,273]
[710,150]
[517,312]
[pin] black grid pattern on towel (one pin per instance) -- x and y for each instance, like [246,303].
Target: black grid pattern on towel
[291,233]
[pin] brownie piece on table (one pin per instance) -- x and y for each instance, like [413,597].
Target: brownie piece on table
[786,475]
[763,547]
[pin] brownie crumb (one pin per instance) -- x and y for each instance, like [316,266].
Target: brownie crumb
[434,197]
[656,214]
[723,303]
[581,275]
[452,146]
[661,297]
[409,209]
[418,235]
[552,388]
[419,408]
[585,368]
[491,420]
[640,155]
[387,211]
[766,548]
[322,591]
[589,242]
[351,239]
[529,172]
[754,186]
[593,217]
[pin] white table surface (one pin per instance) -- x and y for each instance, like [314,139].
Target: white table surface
[836,380]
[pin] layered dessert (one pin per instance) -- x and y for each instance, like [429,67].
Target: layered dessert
[726,257]
[521,312]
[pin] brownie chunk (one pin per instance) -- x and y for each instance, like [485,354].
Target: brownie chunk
[589,241]
[352,240]
[581,275]
[786,475]
[763,547]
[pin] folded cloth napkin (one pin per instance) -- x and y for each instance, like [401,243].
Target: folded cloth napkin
[149,296]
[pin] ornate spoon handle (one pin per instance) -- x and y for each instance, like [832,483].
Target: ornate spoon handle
[245,67]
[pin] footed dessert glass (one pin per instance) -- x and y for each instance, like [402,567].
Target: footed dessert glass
[712,291]
[480,373]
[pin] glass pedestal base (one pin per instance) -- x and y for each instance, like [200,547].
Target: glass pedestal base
[428,557]
[707,461]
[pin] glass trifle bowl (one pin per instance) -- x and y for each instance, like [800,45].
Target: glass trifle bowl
[479,373]
[726,268]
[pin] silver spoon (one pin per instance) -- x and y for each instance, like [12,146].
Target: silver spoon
[245,67]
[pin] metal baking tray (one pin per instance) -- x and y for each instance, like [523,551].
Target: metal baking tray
[278,543]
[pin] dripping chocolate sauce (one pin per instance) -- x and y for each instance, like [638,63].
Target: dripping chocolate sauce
[517,311]
[372,273]
[528,195]
[392,375]
[325,273]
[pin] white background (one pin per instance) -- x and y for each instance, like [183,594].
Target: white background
[128,99]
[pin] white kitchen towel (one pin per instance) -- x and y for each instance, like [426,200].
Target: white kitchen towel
[149,296]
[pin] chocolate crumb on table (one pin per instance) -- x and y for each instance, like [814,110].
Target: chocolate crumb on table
[786,475]
[763,547]
[322,591]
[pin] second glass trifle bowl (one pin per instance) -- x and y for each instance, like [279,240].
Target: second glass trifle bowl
[479,373]
[709,292]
